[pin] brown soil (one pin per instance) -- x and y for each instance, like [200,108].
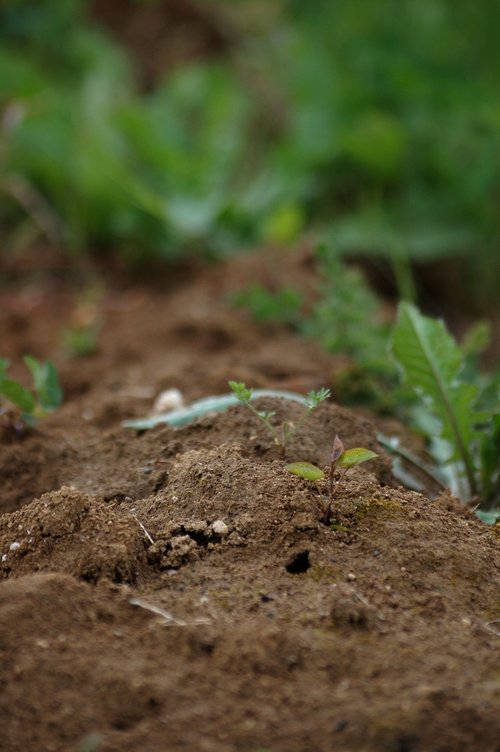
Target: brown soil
[161,35]
[129,621]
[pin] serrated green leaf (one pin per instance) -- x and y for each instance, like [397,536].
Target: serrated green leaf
[305,470]
[17,394]
[356,456]
[240,391]
[430,361]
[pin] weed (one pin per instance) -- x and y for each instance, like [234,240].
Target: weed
[341,459]
[282,434]
[80,337]
[282,306]
[458,409]
[43,398]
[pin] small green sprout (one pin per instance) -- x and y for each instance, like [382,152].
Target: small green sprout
[43,398]
[283,434]
[342,459]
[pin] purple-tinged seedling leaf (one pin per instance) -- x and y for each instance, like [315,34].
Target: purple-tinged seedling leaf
[337,449]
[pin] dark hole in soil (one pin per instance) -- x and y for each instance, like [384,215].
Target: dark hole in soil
[299,563]
[406,743]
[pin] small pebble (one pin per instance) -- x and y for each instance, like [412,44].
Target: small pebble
[168,400]
[351,576]
[220,528]
[14,546]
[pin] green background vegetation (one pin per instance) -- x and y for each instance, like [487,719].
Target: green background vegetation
[374,125]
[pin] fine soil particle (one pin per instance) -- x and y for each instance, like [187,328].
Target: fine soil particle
[175,589]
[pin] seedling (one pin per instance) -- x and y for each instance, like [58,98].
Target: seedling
[341,459]
[29,405]
[80,337]
[284,433]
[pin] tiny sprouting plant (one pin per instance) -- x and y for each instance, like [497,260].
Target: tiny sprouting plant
[341,461]
[284,433]
[29,404]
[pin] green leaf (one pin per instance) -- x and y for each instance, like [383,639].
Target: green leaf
[50,393]
[4,364]
[17,394]
[240,391]
[356,456]
[314,398]
[431,361]
[490,518]
[305,470]
[46,383]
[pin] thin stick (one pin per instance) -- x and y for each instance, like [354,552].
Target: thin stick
[487,626]
[169,619]
[148,536]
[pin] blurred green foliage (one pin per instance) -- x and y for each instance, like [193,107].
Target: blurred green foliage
[375,123]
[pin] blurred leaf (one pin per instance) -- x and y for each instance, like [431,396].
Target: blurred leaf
[356,456]
[17,394]
[46,383]
[305,470]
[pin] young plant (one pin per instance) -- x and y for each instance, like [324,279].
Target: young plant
[43,398]
[281,306]
[458,411]
[282,434]
[341,459]
[80,337]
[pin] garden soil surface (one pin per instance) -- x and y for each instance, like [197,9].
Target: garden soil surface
[175,589]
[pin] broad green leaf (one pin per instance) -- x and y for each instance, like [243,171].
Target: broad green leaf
[356,456]
[490,518]
[17,394]
[50,392]
[46,382]
[430,361]
[305,470]
[36,369]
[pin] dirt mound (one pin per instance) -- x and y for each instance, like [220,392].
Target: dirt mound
[176,588]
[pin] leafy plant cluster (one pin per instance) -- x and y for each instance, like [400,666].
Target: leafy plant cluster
[342,459]
[29,404]
[444,395]
[346,318]
[457,409]
[379,128]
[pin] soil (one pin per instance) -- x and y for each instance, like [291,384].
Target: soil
[175,588]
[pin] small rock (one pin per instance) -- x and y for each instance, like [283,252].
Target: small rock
[220,528]
[168,400]
[14,546]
